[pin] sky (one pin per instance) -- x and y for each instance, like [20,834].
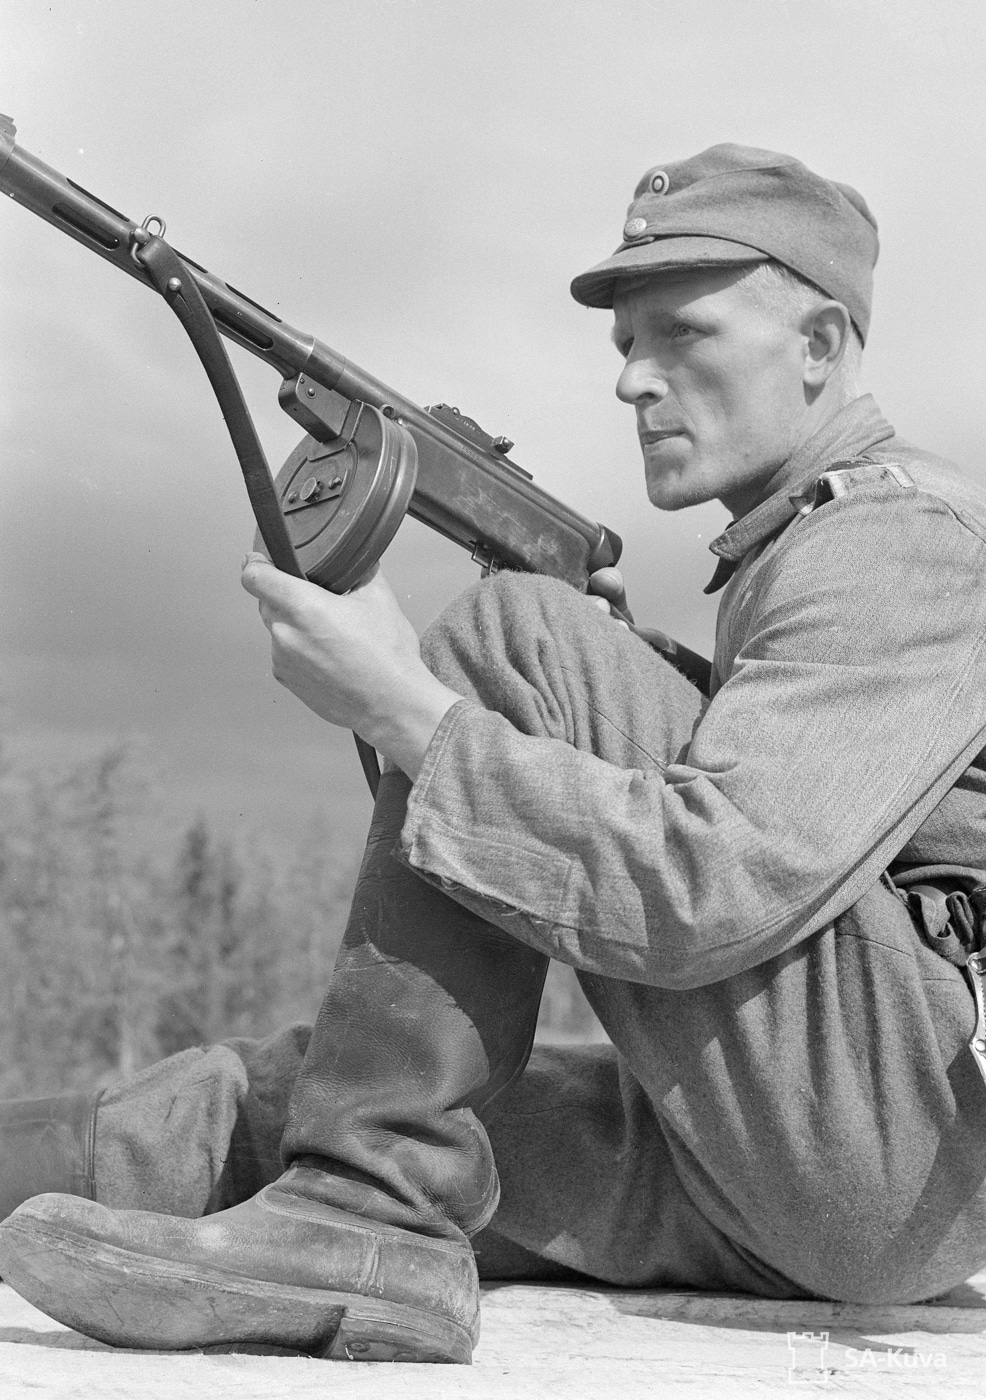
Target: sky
[416,182]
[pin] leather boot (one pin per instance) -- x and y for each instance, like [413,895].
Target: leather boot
[47,1145]
[360,1250]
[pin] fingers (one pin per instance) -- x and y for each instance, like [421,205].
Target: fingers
[606,583]
[269,584]
[282,598]
[605,606]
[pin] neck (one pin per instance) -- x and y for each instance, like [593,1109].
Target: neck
[826,406]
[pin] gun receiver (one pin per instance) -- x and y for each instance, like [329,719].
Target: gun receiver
[466,486]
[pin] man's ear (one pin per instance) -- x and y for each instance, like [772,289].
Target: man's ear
[826,328]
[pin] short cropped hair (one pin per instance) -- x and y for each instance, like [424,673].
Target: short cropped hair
[779,292]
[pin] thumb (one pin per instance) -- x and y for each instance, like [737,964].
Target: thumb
[259,577]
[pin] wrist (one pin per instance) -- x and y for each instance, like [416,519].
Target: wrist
[404,734]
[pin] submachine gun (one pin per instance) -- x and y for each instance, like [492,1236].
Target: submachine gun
[369,455]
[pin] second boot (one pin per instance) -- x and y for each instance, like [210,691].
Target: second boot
[360,1250]
[47,1145]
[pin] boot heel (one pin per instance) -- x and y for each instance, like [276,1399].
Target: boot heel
[372,1331]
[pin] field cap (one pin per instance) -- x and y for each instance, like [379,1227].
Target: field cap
[738,204]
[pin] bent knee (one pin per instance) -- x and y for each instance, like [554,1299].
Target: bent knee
[499,605]
[503,620]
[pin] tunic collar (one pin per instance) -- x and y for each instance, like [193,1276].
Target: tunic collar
[851,433]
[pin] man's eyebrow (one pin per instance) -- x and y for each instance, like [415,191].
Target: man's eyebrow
[672,311]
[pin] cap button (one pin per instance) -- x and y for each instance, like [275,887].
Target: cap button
[633,228]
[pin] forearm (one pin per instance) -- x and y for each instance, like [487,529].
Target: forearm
[639,876]
[620,872]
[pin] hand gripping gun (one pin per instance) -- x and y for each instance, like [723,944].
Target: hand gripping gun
[369,455]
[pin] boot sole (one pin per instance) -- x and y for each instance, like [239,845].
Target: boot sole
[133,1300]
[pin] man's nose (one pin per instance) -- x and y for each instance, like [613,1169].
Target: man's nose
[640,379]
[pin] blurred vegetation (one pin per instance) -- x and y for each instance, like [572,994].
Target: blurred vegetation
[120,946]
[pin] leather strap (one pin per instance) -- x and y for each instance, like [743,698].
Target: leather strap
[179,289]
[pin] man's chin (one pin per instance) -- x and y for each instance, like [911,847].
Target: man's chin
[676,495]
[673,481]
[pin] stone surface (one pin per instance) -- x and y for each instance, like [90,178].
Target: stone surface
[559,1342]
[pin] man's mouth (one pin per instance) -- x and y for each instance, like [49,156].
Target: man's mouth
[649,435]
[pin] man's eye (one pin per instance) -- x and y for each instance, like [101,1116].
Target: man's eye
[680,330]
[624,347]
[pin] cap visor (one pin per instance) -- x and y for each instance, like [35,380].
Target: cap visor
[596,287]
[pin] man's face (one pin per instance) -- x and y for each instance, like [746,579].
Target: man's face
[717,384]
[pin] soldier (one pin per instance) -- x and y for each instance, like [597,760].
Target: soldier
[770,896]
